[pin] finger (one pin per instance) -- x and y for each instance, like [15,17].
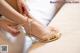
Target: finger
[7,21]
[25,9]
[11,29]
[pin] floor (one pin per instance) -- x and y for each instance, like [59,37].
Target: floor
[67,20]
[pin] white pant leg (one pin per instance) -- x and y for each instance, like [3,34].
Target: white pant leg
[27,44]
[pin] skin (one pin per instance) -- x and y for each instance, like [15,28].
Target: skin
[16,16]
[37,29]
[10,26]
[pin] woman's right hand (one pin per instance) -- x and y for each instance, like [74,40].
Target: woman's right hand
[9,26]
[23,8]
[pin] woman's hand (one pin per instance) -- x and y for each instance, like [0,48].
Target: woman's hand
[9,26]
[22,7]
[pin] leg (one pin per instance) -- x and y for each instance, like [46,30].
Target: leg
[39,30]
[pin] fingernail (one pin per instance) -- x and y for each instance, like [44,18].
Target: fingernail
[16,33]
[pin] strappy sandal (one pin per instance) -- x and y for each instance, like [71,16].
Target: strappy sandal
[50,38]
[54,35]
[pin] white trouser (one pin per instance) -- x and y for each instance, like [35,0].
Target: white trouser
[27,40]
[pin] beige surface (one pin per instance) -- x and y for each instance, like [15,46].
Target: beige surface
[68,20]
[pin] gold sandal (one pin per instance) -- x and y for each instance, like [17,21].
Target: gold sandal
[50,38]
